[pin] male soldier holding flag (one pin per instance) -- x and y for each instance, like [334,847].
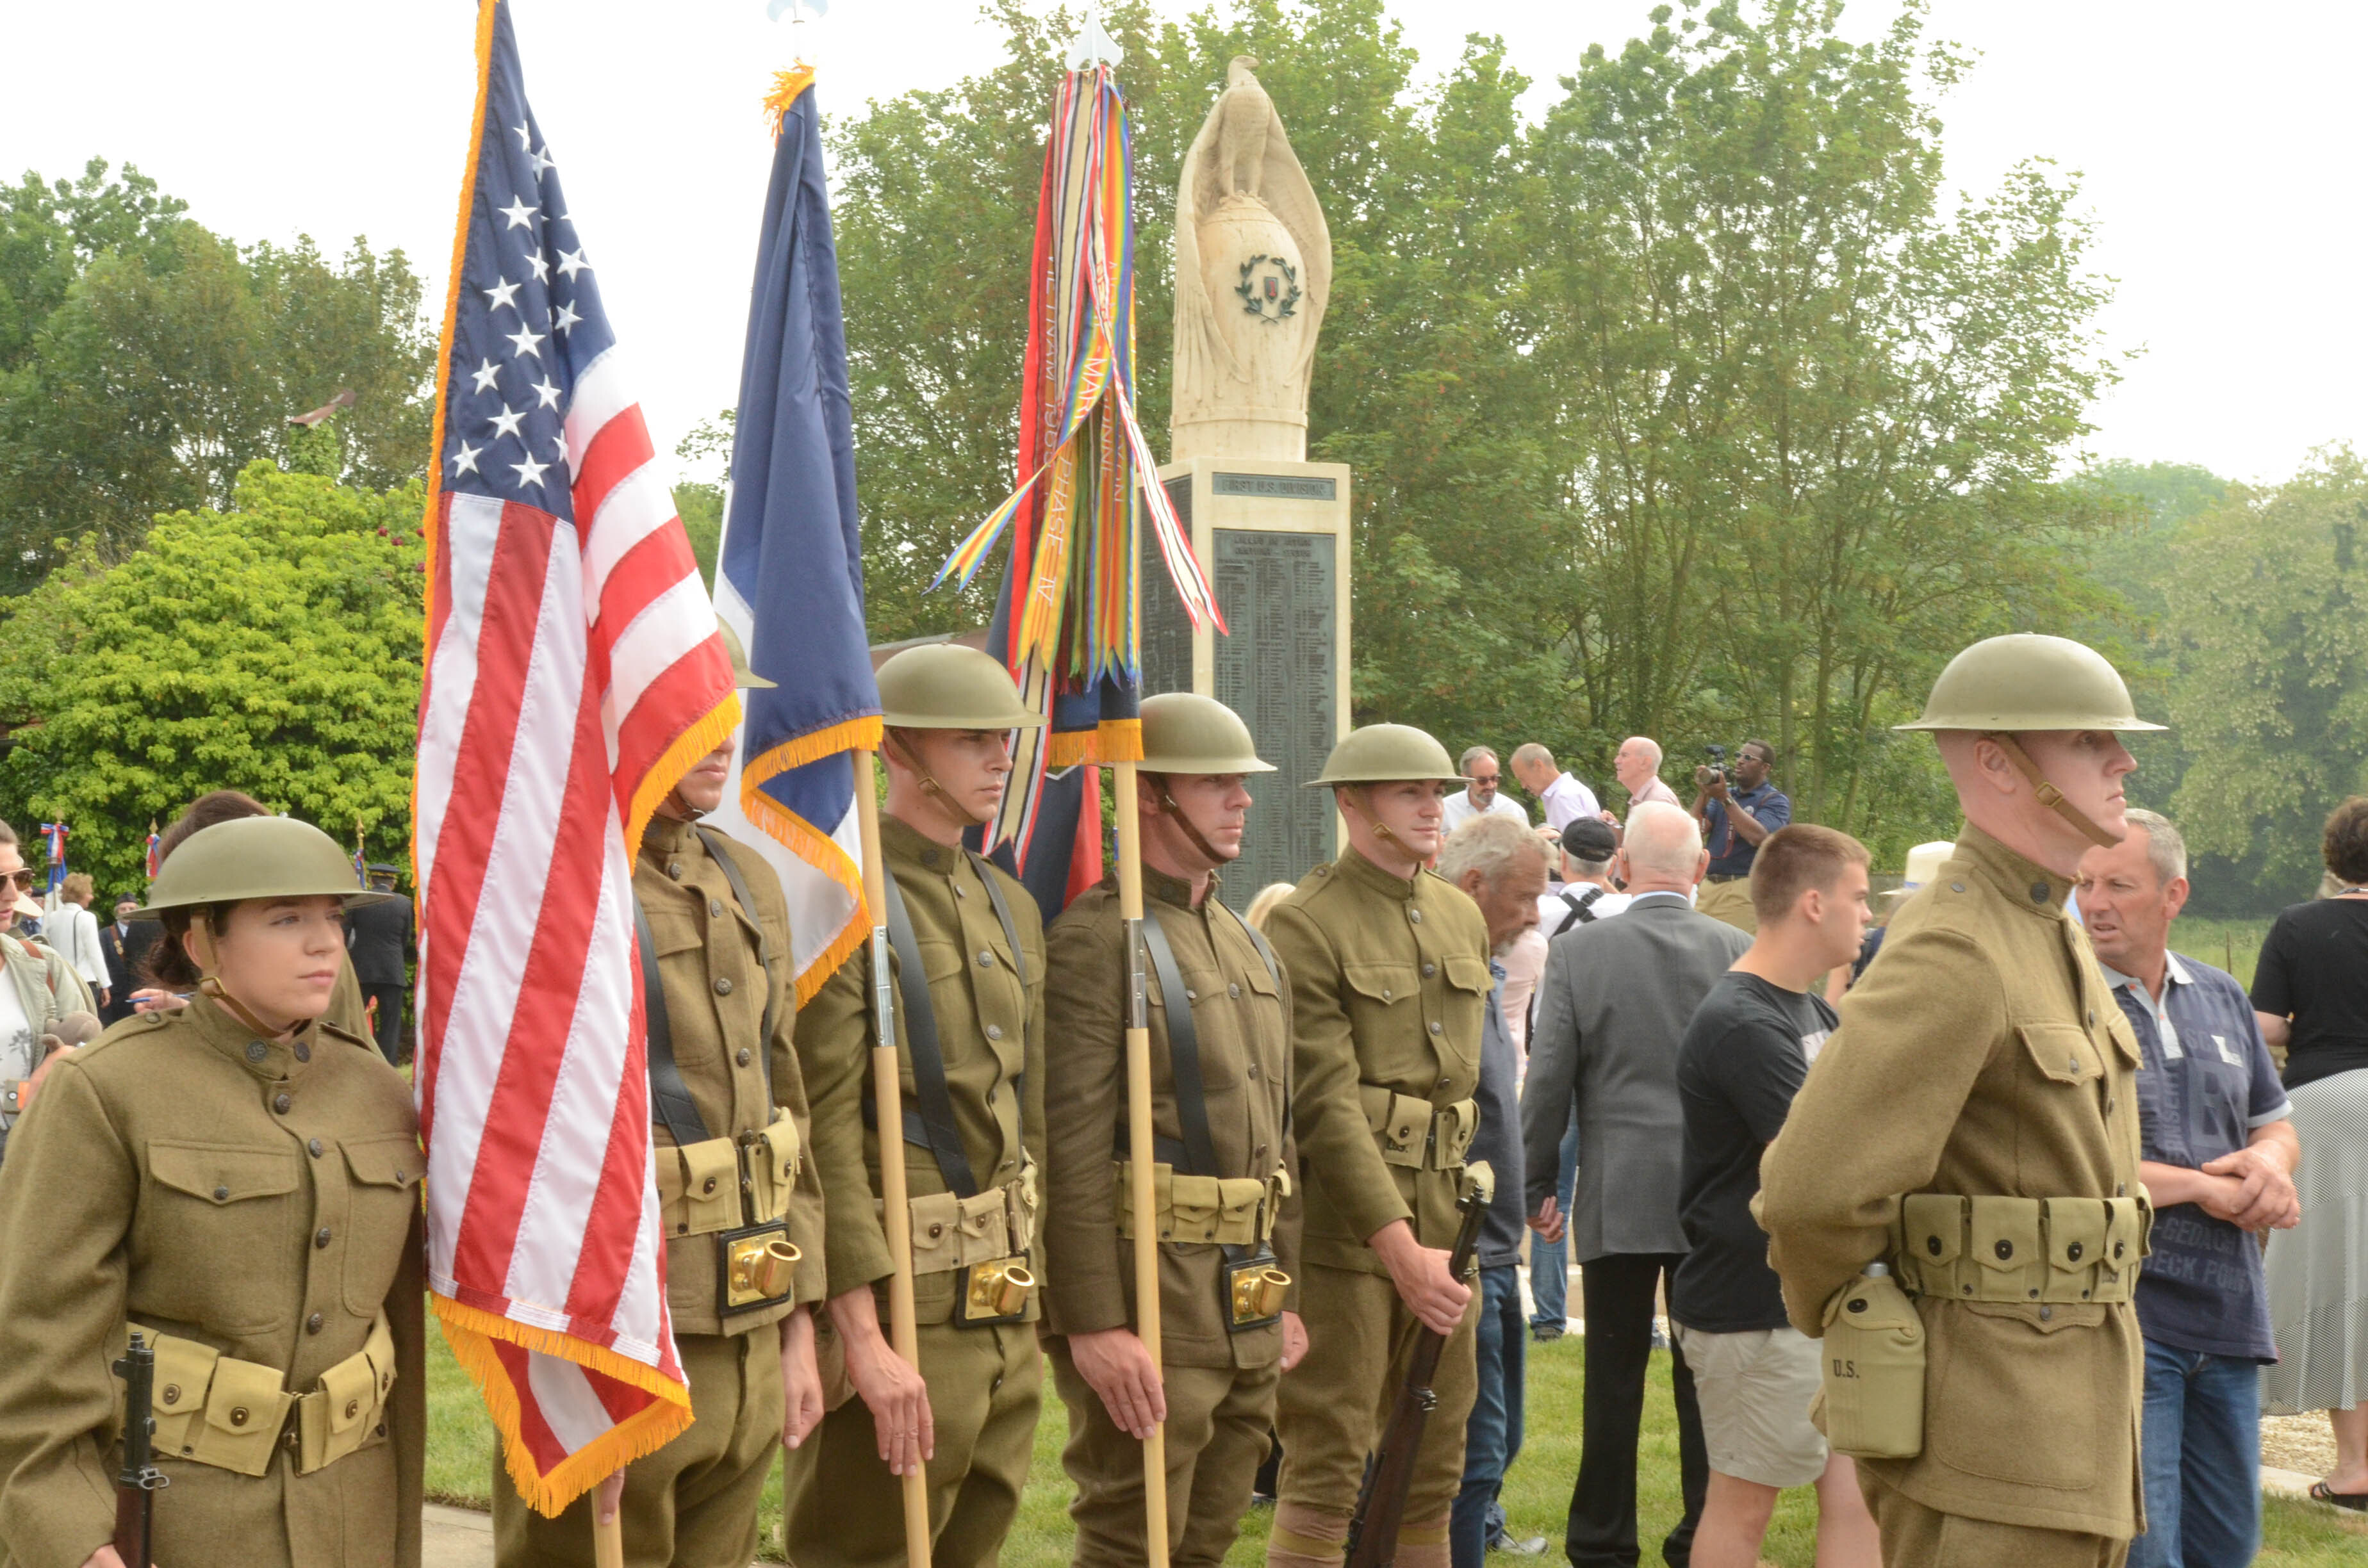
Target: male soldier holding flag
[1220,1021]
[729,1124]
[967,955]
[1389,981]
[1974,1126]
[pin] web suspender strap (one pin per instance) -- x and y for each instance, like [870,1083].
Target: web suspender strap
[669,1096]
[936,1105]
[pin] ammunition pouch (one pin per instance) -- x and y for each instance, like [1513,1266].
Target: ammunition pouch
[728,1183]
[216,1410]
[2020,1249]
[951,1232]
[1415,1133]
[1871,1376]
[1201,1210]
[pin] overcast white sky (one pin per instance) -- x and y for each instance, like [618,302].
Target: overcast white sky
[2221,146]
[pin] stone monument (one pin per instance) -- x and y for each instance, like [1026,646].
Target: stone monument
[1253,274]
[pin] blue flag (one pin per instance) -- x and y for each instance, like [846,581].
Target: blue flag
[789,573]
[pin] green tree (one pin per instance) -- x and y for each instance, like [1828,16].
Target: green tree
[2268,612]
[273,647]
[145,361]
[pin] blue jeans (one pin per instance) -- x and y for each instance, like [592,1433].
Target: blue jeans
[1493,1435]
[2201,1455]
[1550,1261]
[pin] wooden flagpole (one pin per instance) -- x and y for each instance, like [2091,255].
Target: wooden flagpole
[896,1214]
[609,1541]
[1139,1152]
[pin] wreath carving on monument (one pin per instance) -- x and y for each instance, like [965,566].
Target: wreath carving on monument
[1282,293]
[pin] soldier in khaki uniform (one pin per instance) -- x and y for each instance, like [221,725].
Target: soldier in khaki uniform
[971,1046]
[1973,1125]
[239,1181]
[1389,982]
[729,1124]
[1228,1222]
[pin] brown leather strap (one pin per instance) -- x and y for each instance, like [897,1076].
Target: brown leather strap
[2049,795]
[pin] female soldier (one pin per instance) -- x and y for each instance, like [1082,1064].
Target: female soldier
[238,1180]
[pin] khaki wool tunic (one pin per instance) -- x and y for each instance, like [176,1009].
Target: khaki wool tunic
[259,1196]
[1981,1054]
[716,994]
[1389,982]
[1242,1020]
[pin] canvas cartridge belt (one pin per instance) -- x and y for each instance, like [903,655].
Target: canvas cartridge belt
[723,1184]
[216,1410]
[1199,1209]
[1411,1131]
[2020,1249]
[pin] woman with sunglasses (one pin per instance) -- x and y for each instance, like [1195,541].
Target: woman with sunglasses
[238,1180]
[38,989]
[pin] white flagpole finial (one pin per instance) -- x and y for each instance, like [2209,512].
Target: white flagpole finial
[1092,46]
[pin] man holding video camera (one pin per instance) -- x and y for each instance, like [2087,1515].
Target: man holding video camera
[1738,810]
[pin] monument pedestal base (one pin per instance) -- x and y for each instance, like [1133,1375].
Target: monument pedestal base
[1274,539]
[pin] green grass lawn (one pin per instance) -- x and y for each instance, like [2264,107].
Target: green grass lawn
[1537,1491]
[2232,945]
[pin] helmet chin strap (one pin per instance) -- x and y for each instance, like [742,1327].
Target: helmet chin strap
[1169,807]
[681,807]
[211,984]
[2048,794]
[1381,829]
[935,790]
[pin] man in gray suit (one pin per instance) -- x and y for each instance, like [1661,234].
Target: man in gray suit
[1612,1010]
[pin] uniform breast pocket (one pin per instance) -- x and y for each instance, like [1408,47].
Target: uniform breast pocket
[2064,1054]
[381,1194]
[1468,984]
[1383,998]
[215,1225]
[1205,990]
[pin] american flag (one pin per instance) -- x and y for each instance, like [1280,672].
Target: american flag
[574,673]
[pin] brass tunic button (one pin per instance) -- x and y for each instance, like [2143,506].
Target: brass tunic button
[1438,1028]
[1415,915]
[1253,1070]
[257,1050]
[1191,995]
[172,1393]
[1956,887]
[2046,1314]
[312,1323]
[321,1237]
[2005,1249]
[1385,992]
[2072,1065]
[281,1102]
[985,958]
[2092,1017]
[743,1056]
[961,892]
[303,1052]
[238,1415]
[1429,970]
[1233,991]
[314,1148]
[715,907]
[2120,1190]
[673,870]
[398,1173]
[222,1195]
[2109,1104]
[723,985]
[2039,893]
[994,1031]
[929,857]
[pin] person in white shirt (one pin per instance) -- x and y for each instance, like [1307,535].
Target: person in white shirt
[1638,769]
[1479,796]
[73,930]
[1563,798]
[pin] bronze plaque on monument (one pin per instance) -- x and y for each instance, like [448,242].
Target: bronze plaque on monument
[1279,670]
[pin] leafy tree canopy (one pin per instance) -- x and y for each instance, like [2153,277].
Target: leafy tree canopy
[272,647]
[145,361]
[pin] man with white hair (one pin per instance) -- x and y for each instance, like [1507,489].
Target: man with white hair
[1638,765]
[1483,792]
[1613,1008]
[1563,798]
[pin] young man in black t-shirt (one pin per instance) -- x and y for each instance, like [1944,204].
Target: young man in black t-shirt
[1744,1057]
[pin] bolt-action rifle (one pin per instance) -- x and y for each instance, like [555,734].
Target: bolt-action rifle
[137,1484]
[1381,1501]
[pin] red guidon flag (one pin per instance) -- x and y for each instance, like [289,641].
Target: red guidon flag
[574,673]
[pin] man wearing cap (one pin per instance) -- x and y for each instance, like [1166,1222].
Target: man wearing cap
[1220,1018]
[967,960]
[1389,977]
[1972,1125]
[379,939]
[730,1126]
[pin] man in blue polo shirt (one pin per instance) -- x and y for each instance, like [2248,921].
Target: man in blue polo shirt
[2217,1151]
[1737,812]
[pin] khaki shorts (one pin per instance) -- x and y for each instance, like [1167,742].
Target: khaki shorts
[1755,1390]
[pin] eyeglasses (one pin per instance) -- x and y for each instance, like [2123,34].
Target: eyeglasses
[22,878]
[1485,778]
